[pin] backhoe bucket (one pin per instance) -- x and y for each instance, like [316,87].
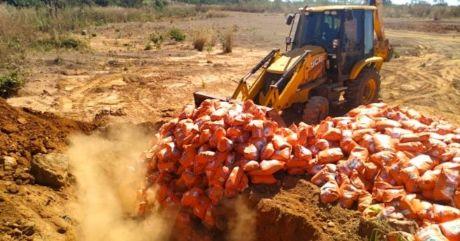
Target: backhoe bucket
[199,97]
[272,114]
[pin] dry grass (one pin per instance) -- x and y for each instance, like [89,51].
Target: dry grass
[226,40]
[24,28]
[203,38]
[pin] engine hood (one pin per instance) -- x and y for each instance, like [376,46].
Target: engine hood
[283,63]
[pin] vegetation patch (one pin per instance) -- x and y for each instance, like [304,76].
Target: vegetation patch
[157,39]
[226,40]
[203,39]
[177,35]
[60,42]
[10,84]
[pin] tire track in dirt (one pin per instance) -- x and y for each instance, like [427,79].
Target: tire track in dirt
[427,80]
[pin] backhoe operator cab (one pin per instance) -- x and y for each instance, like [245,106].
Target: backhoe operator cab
[334,60]
[347,35]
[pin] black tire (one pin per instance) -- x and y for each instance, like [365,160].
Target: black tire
[364,89]
[316,109]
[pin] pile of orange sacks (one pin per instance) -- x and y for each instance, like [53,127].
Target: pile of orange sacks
[397,159]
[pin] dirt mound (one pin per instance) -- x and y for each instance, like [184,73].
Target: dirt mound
[290,211]
[294,212]
[25,133]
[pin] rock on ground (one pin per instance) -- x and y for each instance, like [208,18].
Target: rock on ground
[50,169]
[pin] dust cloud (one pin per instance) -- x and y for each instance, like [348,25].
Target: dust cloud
[108,176]
[243,225]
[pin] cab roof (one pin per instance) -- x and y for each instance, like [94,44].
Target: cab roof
[337,7]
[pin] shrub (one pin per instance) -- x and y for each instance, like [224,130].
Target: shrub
[226,40]
[10,84]
[199,43]
[148,46]
[60,42]
[177,35]
[203,38]
[157,39]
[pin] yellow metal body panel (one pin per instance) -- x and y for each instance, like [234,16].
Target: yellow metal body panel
[282,64]
[313,67]
[376,61]
[337,7]
[287,59]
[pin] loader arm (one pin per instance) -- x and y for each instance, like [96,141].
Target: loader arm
[382,48]
[248,92]
[291,79]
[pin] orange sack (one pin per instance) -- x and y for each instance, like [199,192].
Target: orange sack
[268,167]
[428,180]
[328,173]
[267,151]
[415,147]
[263,179]
[383,123]
[442,213]
[348,194]
[329,192]
[383,142]
[430,233]
[410,177]
[422,162]
[383,158]
[445,186]
[457,198]
[330,155]
[451,229]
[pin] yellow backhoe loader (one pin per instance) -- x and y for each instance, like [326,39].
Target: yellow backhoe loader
[332,61]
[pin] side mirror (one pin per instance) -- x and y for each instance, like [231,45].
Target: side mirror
[288,40]
[289,19]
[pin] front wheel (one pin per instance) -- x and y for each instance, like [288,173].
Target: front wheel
[316,109]
[363,90]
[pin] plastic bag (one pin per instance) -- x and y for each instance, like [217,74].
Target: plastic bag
[333,134]
[383,158]
[268,167]
[415,147]
[445,186]
[451,229]
[348,194]
[422,162]
[328,173]
[383,123]
[383,142]
[302,153]
[428,180]
[385,192]
[250,152]
[430,233]
[442,213]
[364,200]
[410,177]
[330,155]
[457,198]
[263,179]
[329,192]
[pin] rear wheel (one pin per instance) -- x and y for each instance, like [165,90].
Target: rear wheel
[315,110]
[363,90]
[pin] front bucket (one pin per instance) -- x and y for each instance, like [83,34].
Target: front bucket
[199,97]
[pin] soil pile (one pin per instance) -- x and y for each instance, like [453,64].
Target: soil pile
[25,133]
